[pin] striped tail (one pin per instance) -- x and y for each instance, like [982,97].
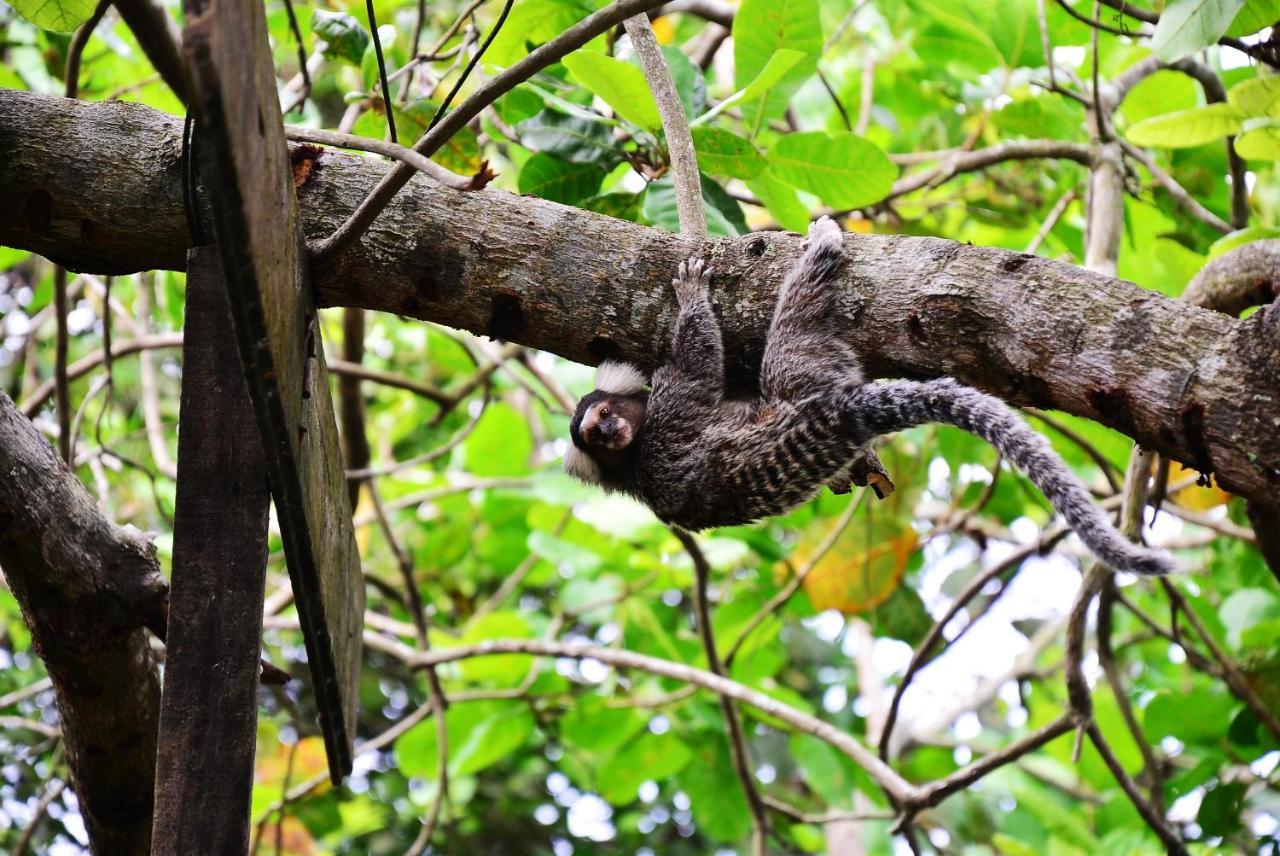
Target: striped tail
[876,409]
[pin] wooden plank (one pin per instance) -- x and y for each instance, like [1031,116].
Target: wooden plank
[248,181]
[209,709]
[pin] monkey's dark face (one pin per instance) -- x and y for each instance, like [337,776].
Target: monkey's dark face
[606,422]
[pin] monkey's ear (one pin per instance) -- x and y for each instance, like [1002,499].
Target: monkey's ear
[620,378]
[580,465]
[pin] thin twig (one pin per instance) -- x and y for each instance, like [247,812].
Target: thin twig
[382,70]
[884,775]
[1149,813]
[302,58]
[389,149]
[1055,214]
[737,739]
[675,126]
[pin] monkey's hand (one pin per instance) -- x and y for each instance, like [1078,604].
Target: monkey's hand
[692,281]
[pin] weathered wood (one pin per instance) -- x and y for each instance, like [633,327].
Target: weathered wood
[245,162]
[209,709]
[86,588]
[1190,384]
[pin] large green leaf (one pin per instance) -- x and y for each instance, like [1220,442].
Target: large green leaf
[619,84]
[760,29]
[61,16]
[1259,139]
[1187,128]
[1255,15]
[781,200]
[724,215]
[1257,96]
[1187,26]
[843,169]
[719,806]
[500,445]
[558,180]
[533,22]
[578,139]
[722,152]
[479,736]
[650,756]
[775,69]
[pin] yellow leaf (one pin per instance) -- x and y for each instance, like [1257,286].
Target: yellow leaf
[851,577]
[292,836]
[308,760]
[664,29]
[1194,497]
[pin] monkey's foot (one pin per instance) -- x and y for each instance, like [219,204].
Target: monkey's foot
[693,279]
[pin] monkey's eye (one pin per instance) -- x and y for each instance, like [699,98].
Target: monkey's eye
[604,412]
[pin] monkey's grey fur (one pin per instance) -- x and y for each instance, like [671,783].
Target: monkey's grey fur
[700,460]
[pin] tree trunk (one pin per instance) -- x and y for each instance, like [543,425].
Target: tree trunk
[86,588]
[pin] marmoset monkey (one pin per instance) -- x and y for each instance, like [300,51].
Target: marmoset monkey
[700,460]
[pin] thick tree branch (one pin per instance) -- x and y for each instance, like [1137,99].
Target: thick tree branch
[1194,385]
[86,588]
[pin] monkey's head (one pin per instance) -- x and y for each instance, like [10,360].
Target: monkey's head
[606,425]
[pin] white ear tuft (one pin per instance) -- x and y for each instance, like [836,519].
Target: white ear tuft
[580,466]
[620,378]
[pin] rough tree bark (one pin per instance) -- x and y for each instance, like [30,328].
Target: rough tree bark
[86,588]
[96,187]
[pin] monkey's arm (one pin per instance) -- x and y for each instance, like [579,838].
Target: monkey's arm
[697,352]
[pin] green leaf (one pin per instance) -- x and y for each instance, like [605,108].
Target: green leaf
[533,22]
[623,206]
[560,181]
[620,84]
[479,735]
[775,68]
[61,16]
[722,152]
[1187,26]
[1240,237]
[500,445]
[344,36]
[843,169]
[594,727]
[1257,96]
[460,153]
[1244,608]
[724,215]
[1259,140]
[572,138]
[651,756]
[1255,15]
[719,807]
[1199,716]
[691,84]
[760,29]
[491,740]
[781,200]
[1187,128]
[1219,813]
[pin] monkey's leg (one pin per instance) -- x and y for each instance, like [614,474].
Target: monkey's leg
[804,352]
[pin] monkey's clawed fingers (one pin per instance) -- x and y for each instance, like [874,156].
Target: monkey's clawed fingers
[693,277]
